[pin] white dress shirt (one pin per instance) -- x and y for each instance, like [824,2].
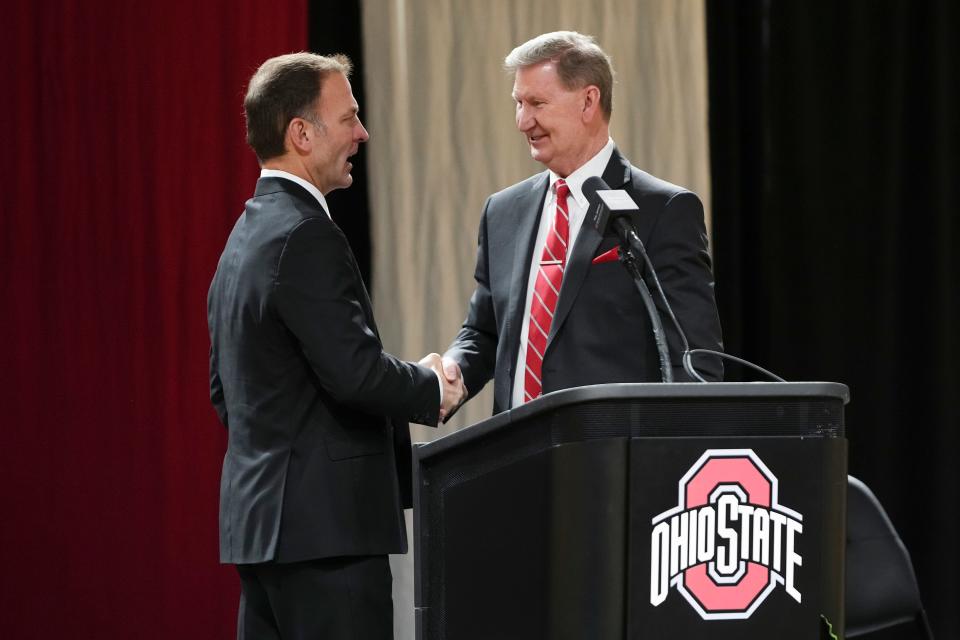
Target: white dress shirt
[576,209]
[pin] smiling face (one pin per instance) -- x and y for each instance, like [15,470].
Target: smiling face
[562,126]
[337,138]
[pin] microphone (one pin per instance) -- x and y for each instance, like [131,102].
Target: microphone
[607,204]
[613,213]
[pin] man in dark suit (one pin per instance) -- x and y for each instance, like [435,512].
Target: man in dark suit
[552,308]
[317,467]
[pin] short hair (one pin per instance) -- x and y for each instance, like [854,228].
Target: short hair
[284,88]
[580,62]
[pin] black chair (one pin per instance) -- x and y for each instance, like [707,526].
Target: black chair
[882,597]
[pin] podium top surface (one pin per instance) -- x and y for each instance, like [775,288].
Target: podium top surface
[634,392]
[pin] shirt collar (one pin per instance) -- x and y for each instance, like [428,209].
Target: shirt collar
[277,173]
[593,167]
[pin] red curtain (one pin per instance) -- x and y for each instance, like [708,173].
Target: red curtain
[124,168]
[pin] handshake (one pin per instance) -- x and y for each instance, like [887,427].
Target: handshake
[454,391]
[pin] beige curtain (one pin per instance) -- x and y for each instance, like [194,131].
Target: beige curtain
[443,138]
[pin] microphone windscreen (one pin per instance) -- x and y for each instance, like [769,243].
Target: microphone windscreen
[590,187]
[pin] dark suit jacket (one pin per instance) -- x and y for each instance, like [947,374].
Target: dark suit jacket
[314,465]
[600,332]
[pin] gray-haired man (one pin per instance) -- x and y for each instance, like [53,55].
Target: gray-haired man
[552,309]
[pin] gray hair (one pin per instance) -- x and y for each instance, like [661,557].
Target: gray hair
[579,60]
[284,88]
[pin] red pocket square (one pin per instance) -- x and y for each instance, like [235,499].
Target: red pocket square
[609,256]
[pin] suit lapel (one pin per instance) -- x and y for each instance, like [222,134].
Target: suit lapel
[528,207]
[616,175]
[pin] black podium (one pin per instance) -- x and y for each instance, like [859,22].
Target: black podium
[640,511]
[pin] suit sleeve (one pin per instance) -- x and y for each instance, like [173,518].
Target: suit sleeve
[475,347]
[678,250]
[316,292]
[216,390]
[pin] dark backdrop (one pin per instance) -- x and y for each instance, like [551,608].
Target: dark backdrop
[834,137]
[340,31]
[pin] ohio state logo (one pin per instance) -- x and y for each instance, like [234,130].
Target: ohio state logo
[728,542]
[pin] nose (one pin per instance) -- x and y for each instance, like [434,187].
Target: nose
[525,120]
[361,134]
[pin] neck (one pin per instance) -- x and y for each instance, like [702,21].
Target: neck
[592,147]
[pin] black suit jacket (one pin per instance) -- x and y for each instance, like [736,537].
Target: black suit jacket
[315,466]
[600,332]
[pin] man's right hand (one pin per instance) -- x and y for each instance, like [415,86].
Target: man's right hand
[454,391]
[452,375]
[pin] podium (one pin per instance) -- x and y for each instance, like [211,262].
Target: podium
[637,511]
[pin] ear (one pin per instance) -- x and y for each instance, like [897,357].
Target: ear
[300,135]
[591,102]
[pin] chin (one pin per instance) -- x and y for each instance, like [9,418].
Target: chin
[343,181]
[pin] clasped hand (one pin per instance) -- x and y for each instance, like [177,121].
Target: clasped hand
[454,391]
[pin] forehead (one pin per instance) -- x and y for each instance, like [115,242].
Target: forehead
[537,79]
[336,95]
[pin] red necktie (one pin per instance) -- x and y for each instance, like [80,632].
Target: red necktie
[546,291]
